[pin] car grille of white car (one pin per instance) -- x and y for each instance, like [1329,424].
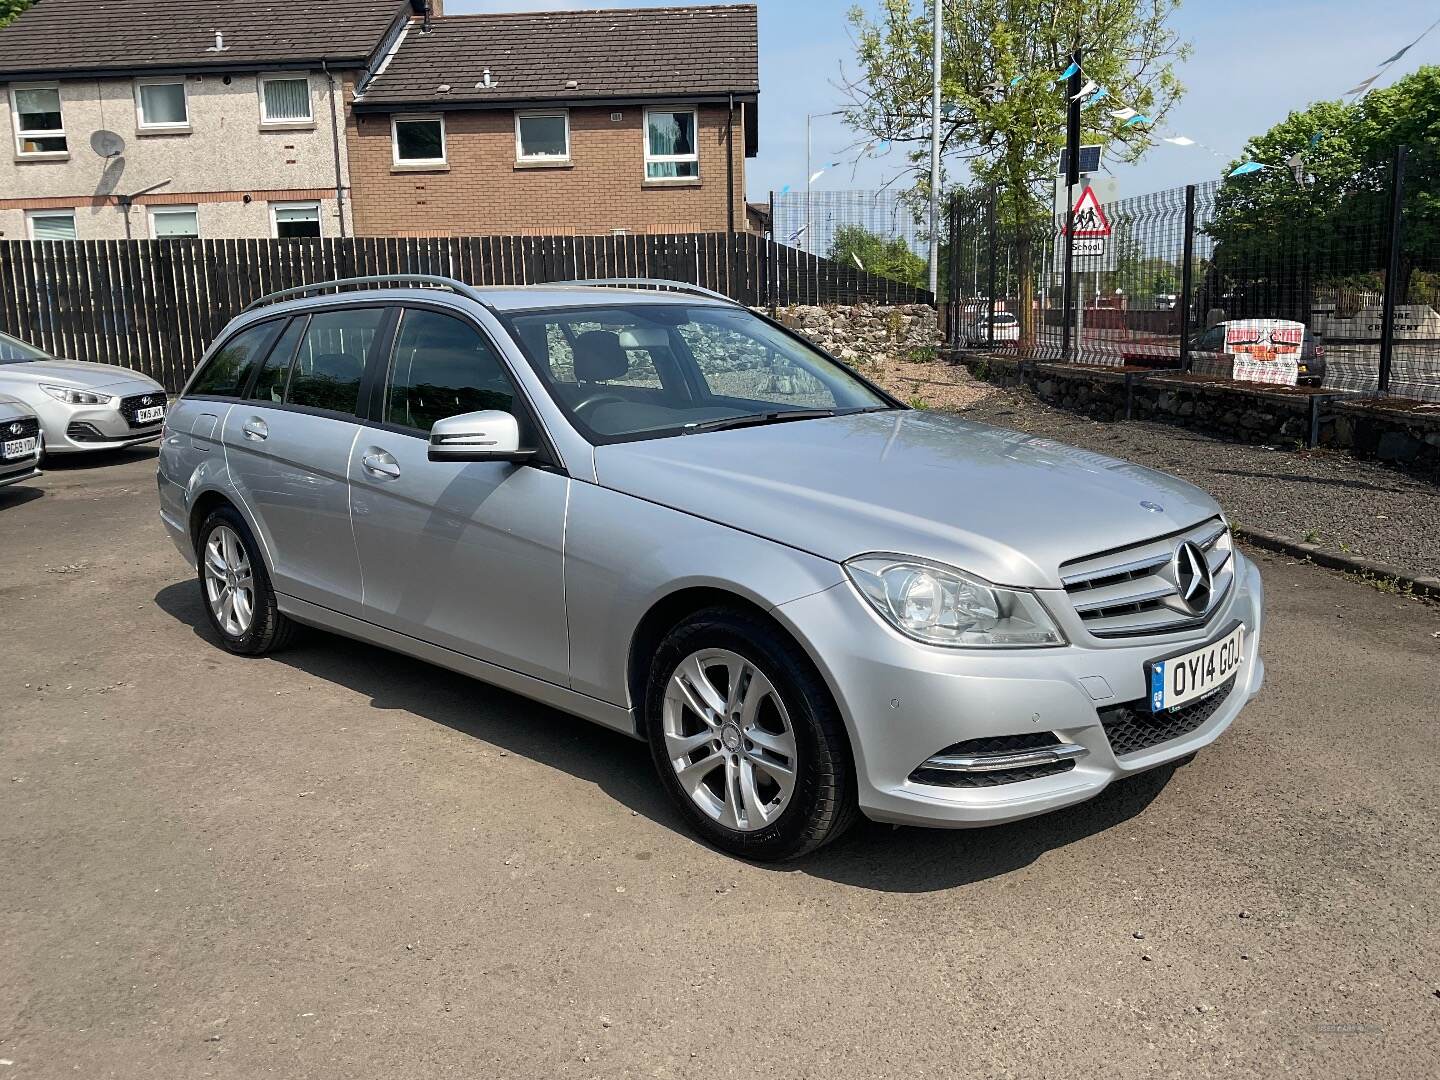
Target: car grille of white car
[1158,587]
[130,408]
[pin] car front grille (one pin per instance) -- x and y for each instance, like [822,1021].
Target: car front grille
[1142,590]
[994,744]
[27,427]
[131,406]
[1131,727]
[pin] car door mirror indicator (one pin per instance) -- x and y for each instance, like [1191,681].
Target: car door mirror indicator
[488,435]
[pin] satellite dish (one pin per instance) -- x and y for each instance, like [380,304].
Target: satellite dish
[107,144]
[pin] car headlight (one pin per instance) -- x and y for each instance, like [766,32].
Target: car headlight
[940,605]
[71,396]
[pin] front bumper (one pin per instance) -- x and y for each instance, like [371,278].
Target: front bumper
[904,703]
[14,470]
[78,429]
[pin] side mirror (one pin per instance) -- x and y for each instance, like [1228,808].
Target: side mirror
[488,435]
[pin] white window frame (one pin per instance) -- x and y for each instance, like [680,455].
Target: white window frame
[160,210]
[668,159]
[21,135]
[541,159]
[403,163]
[141,123]
[286,76]
[58,211]
[304,204]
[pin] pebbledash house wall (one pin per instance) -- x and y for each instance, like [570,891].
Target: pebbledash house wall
[225,156]
[483,190]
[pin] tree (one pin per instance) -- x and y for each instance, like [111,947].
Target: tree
[11,9]
[1318,215]
[893,258]
[1009,136]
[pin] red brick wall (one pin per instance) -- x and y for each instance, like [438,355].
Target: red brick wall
[483,191]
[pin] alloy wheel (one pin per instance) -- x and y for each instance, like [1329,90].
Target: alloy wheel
[229,581]
[729,738]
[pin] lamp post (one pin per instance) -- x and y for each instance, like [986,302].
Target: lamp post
[805,233]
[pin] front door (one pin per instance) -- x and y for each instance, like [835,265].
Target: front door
[465,555]
[288,449]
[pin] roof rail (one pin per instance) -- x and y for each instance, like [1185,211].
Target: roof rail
[432,280]
[652,283]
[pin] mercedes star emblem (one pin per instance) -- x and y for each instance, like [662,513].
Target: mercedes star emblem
[1192,576]
[1154,508]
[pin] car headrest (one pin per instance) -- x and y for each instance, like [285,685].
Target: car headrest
[598,356]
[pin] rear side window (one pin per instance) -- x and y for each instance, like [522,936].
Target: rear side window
[331,359]
[443,367]
[270,383]
[229,367]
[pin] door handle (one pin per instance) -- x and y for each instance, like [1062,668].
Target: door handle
[255,429]
[378,463]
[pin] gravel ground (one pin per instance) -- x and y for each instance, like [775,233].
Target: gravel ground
[1321,497]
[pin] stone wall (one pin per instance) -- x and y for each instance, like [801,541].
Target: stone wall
[865,334]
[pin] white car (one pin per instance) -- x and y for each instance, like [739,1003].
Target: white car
[1007,329]
[19,441]
[81,406]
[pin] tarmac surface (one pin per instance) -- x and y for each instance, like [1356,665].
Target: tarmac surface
[342,863]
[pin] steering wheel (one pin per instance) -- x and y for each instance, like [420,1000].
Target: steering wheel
[596,397]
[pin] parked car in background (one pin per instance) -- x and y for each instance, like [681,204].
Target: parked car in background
[82,406]
[19,441]
[1007,329]
[1219,342]
[672,516]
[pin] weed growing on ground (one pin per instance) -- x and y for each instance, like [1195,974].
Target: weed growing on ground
[1312,537]
[917,402]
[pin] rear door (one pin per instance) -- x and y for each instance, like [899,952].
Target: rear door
[465,555]
[288,449]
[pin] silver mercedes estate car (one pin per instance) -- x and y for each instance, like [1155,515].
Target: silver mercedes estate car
[653,508]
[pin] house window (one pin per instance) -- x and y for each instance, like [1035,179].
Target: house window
[670,147]
[296,219]
[419,140]
[39,126]
[167,222]
[160,104]
[285,99]
[51,224]
[542,136]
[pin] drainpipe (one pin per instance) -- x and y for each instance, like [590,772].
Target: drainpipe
[730,171]
[335,139]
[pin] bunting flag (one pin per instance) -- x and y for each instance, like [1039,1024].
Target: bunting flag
[858,263]
[1089,88]
[1138,118]
[785,190]
[1016,80]
[1402,52]
[1071,70]
[1180,140]
[1248,167]
[1101,93]
[815,176]
[1359,89]
[1123,113]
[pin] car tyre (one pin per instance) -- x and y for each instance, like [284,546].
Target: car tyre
[235,587]
[763,712]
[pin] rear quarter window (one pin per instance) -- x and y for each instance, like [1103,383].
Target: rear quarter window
[228,369]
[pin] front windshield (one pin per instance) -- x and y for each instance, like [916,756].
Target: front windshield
[15,351]
[648,370]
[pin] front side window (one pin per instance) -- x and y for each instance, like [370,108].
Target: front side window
[671,151]
[161,104]
[296,220]
[39,123]
[542,136]
[174,222]
[327,369]
[442,367]
[651,370]
[285,100]
[51,224]
[15,351]
[419,140]
[228,369]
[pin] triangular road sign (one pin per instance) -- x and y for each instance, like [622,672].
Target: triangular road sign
[1090,219]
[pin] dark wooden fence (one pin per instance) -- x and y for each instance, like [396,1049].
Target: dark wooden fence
[154,305]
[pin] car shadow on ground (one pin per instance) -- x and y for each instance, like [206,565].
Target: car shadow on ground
[19,494]
[95,459]
[870,856]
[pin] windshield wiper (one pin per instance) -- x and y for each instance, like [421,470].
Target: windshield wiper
[775,416]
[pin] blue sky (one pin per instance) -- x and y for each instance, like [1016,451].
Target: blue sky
[1254,62]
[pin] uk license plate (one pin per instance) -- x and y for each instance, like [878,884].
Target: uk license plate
[15,448]
[1179,679]
[149,416]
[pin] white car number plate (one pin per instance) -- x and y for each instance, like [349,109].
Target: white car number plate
[1190,675]
[19,447]
[149,416]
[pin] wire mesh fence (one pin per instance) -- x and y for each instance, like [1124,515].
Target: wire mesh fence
[1281,281]
[883,232]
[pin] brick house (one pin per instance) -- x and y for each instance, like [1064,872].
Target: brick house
[636,120]
[211,118]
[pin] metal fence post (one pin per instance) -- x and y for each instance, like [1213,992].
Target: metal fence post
[1392,269]
[990,277]
[1187,274]
[1072,178]
[772,254]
